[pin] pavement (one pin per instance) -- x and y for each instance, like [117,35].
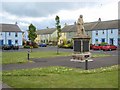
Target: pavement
[63,61]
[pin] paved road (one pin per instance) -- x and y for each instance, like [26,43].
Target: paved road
[64,61]
[53,48]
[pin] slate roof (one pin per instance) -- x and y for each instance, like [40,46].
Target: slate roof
[9,28]
[46,31]
[99,25]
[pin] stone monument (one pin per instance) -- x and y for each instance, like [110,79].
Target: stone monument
[81,45]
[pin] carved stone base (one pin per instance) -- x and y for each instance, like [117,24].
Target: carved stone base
[81,57]
[75,60]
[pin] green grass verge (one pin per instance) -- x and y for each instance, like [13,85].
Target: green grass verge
[62,77]
[21,57]
[100,55]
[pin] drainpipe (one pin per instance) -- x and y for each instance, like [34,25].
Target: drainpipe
[5,38]
[107,36]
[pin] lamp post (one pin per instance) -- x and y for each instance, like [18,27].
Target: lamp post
[28,55]
[86,64]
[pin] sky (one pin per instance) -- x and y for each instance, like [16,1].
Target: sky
[42,13]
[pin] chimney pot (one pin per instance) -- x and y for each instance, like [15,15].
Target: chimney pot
[99,19]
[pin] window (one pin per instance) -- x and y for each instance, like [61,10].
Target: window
[103,32]
[103,39]
[69,34]
[16,41]
[9,33]
[96,32]
[16,34]
[119,31]
[96,40]
[1,33]
[41,41]
[44,41]
[111,31]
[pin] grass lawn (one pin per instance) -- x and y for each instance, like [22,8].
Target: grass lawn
[21,57]
[62,77]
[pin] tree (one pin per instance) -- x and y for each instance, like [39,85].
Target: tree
[58,27]
[32,33]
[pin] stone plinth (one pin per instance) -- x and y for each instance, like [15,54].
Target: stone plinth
[81,49]
[81,57]
[81,44]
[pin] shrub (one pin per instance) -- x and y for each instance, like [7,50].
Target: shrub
[27,46]
[103,43]
[35,45]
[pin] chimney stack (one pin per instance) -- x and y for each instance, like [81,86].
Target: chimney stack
[65,24]
[74,23]
[15,23]
[99,19]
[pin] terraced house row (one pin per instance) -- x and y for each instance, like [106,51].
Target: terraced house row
[99,31]
[10,34]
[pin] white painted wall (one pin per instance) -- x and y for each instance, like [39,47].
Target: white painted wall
[5,37]
[107,35]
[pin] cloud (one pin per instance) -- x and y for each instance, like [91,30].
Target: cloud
[39,9]
[42,14]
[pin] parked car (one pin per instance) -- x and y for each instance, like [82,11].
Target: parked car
[9,47]
[15,47]
[43,45]
[109,47]
[91,46]
[97,47]
[6,47]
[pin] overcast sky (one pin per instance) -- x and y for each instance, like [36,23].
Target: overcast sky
[42,14]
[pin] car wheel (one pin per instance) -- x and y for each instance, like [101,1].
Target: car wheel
[110,49]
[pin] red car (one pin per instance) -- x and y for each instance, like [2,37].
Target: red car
[97,47]
[109,47]
[91,46]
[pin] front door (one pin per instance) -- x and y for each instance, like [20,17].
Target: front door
[1,42]
[111,41]
[9,42]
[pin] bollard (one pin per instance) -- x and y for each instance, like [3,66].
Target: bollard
[86,64]
[28,55]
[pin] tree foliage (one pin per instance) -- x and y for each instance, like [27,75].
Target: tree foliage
[32,33]
[58,27]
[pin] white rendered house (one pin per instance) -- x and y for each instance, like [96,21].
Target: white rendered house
[10,34]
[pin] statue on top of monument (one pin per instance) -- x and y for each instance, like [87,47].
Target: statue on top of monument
[80,26]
